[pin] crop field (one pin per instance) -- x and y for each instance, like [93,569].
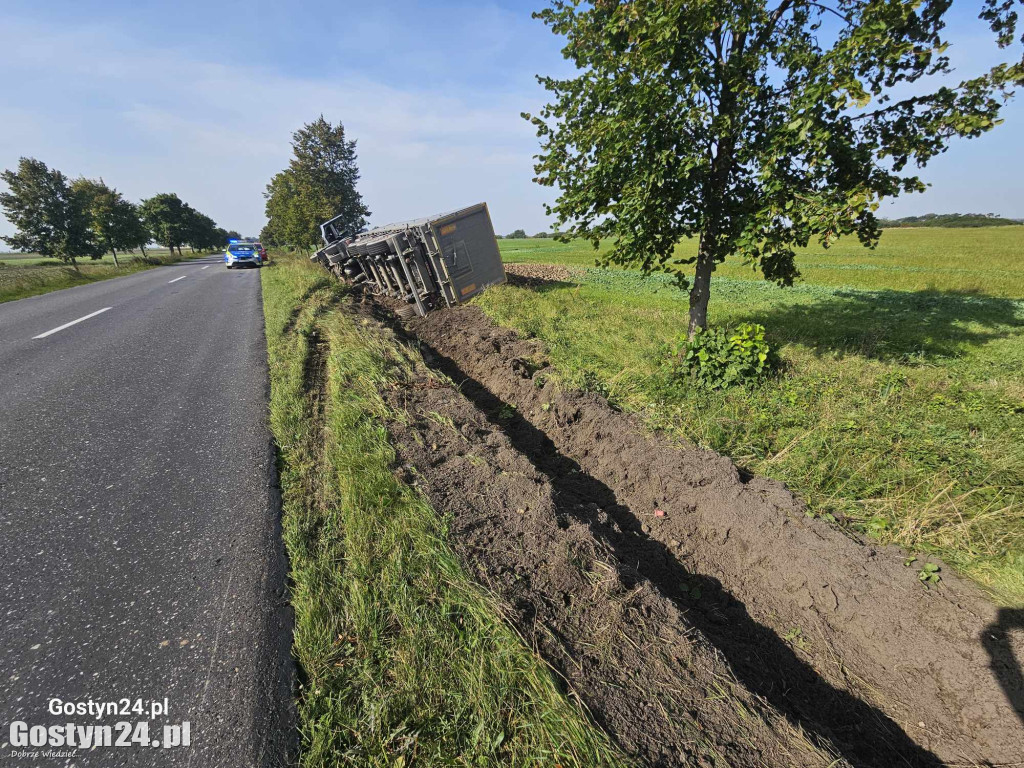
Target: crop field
[900,409]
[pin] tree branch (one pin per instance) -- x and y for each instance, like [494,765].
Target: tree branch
[910,102]
[769,28]
[847,19]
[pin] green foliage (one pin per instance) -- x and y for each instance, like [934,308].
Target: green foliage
[752,127]
[174,223]
[285,221]
[116,223]
[929,574]
[717,358]
[52,218]
[795,636]
[318,184]
[167,218]
[519,234]
[202,233]
[87,218]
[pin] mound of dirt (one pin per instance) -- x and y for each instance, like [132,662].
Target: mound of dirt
[529,274]
[699,614]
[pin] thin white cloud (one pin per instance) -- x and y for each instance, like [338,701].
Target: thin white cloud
[214,126]
[215,131]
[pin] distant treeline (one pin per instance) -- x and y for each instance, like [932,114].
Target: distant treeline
[950,220]
[520,234]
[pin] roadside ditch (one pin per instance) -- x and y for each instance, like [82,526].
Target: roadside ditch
[402,658]
[700,614]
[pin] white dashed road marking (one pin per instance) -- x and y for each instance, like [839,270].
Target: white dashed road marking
[73,322]
[177,279]
[206,267]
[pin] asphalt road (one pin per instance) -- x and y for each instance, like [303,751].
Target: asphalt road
[139,517]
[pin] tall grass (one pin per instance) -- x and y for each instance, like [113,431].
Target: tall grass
[900,412]
[405,659]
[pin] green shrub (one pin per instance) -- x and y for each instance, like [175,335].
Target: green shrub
[718,358]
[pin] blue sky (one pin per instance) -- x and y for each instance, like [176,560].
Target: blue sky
[201,98]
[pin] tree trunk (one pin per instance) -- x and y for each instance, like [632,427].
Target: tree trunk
[712,248]
[143,247]
[114,251]
[701,290]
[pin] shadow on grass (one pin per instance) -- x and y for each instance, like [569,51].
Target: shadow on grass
[894,325]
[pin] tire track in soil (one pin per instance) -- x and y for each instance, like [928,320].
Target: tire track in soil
[646,675]
[881,671]
[888,665]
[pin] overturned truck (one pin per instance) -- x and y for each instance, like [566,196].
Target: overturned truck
[436,261]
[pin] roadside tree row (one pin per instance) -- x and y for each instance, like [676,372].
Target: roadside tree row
[85,218]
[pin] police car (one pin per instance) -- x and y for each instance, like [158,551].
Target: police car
[239,254]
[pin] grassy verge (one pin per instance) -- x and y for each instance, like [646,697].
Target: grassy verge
[20,278]
[900,413]
[404,658]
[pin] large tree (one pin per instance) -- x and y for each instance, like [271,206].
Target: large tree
[115,222]
[318,184]
[752,125]
[51,218]
[285,222]
[168,219]
[202,233]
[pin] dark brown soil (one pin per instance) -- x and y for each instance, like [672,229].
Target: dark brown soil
[531,274]
[700,614]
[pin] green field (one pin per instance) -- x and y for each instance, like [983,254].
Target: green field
[899,411]
[14,259]
[988,261]
[23,275]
